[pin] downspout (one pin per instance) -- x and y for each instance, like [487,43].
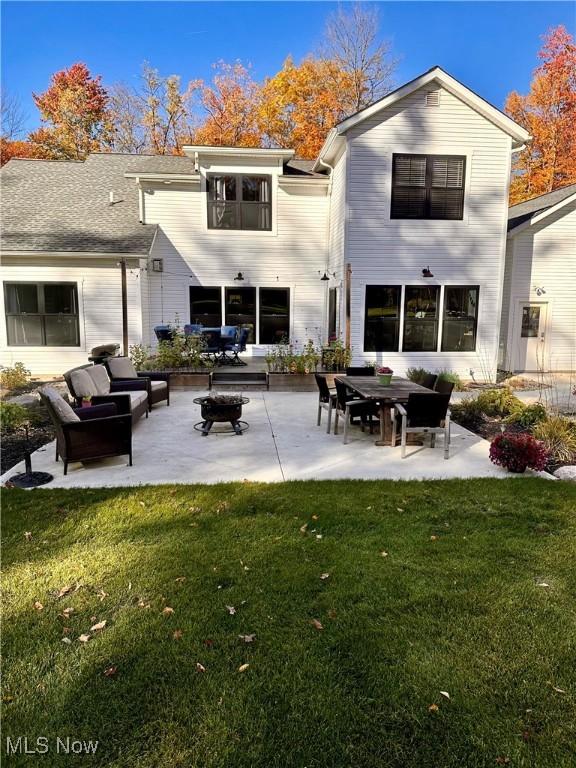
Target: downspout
[328,242]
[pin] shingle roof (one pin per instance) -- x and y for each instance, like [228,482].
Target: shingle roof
[521,212]
[175,164]
[64,206]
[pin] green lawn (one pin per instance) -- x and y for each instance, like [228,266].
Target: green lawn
[457,605]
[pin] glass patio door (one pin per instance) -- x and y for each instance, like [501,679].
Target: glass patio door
[240,309]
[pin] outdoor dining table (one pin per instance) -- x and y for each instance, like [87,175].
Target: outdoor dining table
[369,388]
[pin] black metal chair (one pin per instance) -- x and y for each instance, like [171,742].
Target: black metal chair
[424,413]
[163,332]
[361,370]
[211,337]
[326,399]
[347,407]
[238,346]
[429,381]
[444,387]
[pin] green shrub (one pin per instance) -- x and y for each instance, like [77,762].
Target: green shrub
[468,413]
[452,376]
[139,354]
[14,377]
[559,437]
[417,375]
[12,416]
[498,402]
[528,416]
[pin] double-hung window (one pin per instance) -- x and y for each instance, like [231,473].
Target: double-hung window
[42,314]
[237,201]
[428,186]
[460,318]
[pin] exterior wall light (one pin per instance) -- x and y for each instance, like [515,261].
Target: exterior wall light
[239,276]
[426,272]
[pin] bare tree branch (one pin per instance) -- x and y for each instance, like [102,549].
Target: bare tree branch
[12,116]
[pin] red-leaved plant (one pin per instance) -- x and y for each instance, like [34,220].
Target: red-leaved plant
[516,452]
[385,370]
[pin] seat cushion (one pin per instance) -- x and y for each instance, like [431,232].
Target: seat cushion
[99,376]
[158,386]
[122,368]
[82,383]
[61,408]
[135,397]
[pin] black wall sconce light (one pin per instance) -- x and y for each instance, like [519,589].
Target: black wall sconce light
[426,272]
[239,277]
[540,291]
[326,276]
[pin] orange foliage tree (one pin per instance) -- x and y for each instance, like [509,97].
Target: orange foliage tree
[302,102]
[16,148]
[74,116]
[548,111]
[231,106]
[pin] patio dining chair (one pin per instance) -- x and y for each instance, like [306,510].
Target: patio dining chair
[211,339]
[193,329]
[361,370]
[444,387]
[424,413]
[347,407]
[429,381]
[326,400]
[236,347]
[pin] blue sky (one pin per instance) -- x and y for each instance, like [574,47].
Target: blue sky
[490,46]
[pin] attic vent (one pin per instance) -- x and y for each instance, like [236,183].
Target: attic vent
[433,99]
[157,265]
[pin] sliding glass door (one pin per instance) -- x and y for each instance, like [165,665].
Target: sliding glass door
[274,315]
[240,309]
[205,306]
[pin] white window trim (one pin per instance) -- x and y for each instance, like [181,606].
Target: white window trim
[239,233]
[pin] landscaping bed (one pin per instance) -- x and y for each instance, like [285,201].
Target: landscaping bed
[301,624]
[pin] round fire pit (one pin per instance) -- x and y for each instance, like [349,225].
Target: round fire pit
[219,409]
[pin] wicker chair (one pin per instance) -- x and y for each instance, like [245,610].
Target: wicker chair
[444,387]
[347,407]
[86,433]
[121,369]
[326,400]
[425,413]
[92,381]
[429,381]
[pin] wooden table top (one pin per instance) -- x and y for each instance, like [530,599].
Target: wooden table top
[369,388]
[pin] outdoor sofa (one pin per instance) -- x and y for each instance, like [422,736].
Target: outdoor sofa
[122,369]
[93,382]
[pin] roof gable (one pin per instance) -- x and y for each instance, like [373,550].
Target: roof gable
[537,208]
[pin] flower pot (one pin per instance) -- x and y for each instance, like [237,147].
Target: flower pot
[385,379]
[86,403]
[517,469]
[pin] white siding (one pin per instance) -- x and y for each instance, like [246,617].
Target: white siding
[100,309]
[468,252]
[289,256]
[544,256]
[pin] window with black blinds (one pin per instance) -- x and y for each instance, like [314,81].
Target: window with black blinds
[428,186]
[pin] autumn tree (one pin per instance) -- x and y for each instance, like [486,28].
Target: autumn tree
[351,41]
[231,105]
[548,112]
[301,103]
[74,116]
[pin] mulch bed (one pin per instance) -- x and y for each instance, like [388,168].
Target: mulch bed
[15,444]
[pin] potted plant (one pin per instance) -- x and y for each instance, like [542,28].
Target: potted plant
[86,401]
[517,452]
[384,375]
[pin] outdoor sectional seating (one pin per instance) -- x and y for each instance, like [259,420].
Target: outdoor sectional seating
[92,381]
[86,434]
[122,369]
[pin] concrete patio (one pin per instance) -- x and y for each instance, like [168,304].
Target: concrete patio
[283,443]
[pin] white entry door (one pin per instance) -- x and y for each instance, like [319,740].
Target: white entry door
[530,335]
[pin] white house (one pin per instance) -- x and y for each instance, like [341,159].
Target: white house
[394,239]
[538,330]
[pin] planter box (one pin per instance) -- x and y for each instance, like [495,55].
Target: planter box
[297,382]
[190,381]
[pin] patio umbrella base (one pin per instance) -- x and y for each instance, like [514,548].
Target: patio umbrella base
[223,428]
[30,479]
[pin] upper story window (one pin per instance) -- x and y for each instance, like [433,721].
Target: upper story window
[428,186]
[236,201]
[42,314]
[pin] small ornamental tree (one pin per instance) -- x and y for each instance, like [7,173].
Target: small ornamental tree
[517,452]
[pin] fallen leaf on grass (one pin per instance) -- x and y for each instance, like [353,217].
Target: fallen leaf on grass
[142,504]
[101,594]
[84,638]
[167,611]
[383,554]
[315,517]
[304,528]
[65,590]
[318,535]
[177,634]
[331,613]
[247,638]
[324,576]
[97,627]
[445,694]
[66,640]
[231,610]
[399,509]
[502,760]
[143,604]
[66,613]
[315,623]
[558,690]
[66,630]
[433,538]
[433,708]
[110,671]
[243,667]
[200,667]
[28,535]
[542,584]
[209,643]
[180,579]
[38,605]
